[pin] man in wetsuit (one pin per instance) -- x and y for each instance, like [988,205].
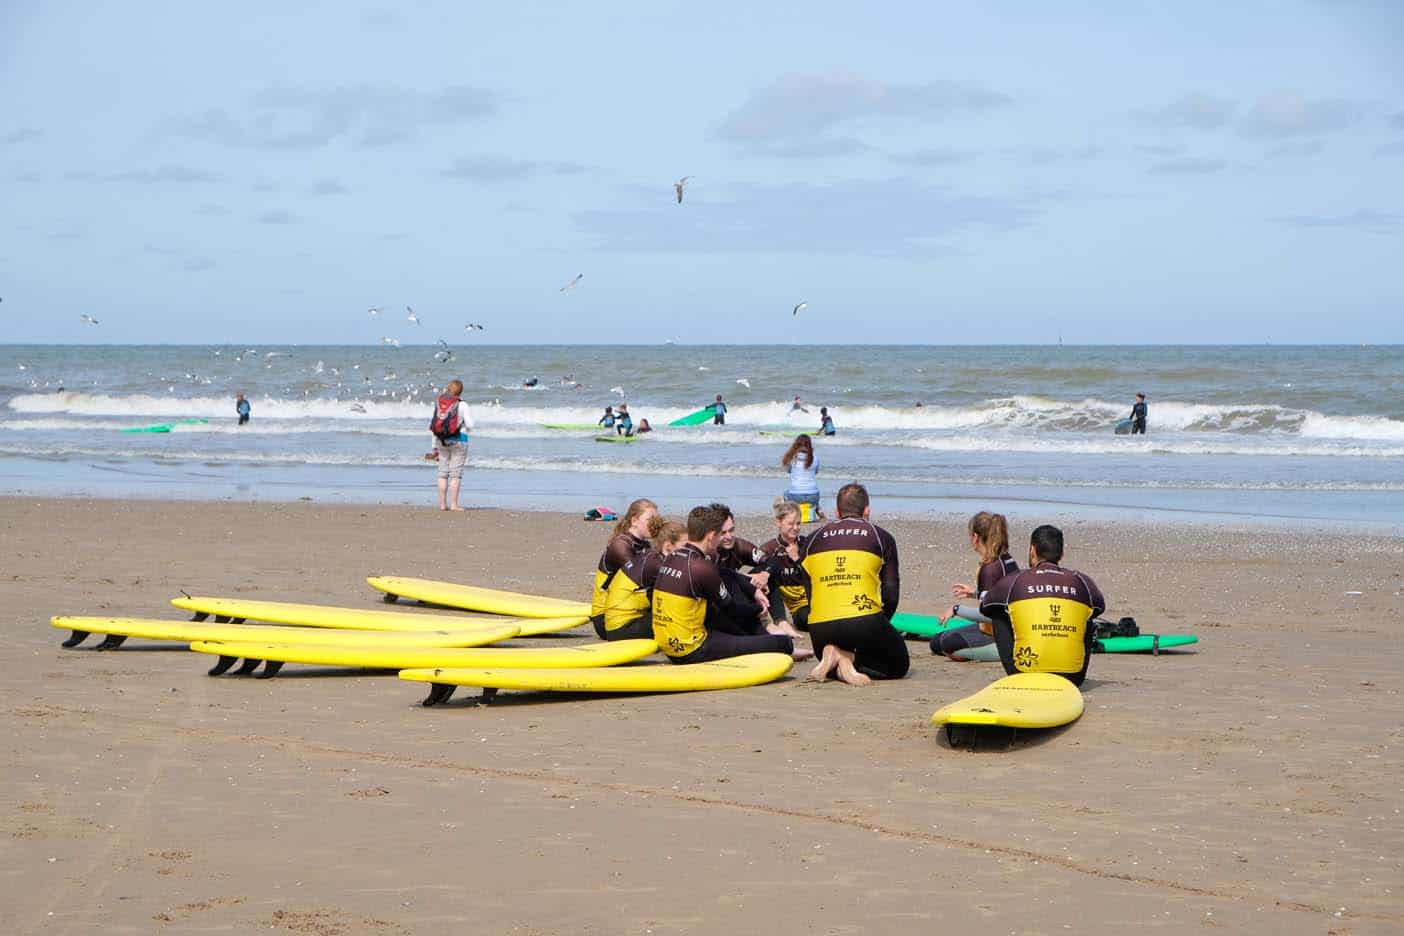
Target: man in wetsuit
[696,616]
[1138,415]
[624,425]
[719,412]
[854,587]
[1042,614]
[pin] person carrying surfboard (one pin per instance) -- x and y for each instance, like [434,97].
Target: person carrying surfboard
[628,539]
[719,412]
[1041,615]
[854,587]
[1138,415]
[696,616]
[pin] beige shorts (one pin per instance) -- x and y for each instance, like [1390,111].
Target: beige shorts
[452,457]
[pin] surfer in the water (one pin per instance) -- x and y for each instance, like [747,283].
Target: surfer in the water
[989,537]
[696,617]
[1041,615]
[826,422]
[628,612]
[624,423]
[797,406]
[719,412]
[241,406]
[628,539]
[607,420]
[854,587]
[1138,415]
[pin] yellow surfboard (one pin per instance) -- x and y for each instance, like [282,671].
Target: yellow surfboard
[119,629]
[311,615]
[1024,700]
[591,654]
[750,670]
[472,598]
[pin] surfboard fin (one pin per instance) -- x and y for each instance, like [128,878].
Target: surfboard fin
[389,598]
[270,669]
[222,664]
[199,616]
[76,638]
[111,642]
[438,694]
[249,665]
[221,619]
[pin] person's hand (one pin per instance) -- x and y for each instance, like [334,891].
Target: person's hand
[962,591]
[760,580]
[763,601]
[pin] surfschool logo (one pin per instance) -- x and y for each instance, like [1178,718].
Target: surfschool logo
[864,603]
[1026,658]
[1055,612]
[839,562]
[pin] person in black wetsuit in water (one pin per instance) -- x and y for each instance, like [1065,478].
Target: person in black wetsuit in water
[1138,415]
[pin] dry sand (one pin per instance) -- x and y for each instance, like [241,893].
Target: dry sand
[1253,785]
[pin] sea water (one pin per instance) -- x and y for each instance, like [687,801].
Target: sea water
[1267,434]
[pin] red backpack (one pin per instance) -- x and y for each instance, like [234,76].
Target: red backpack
[446,425]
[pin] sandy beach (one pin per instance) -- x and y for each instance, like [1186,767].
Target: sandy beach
[1252,784]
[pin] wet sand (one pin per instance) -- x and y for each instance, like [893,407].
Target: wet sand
[1251,784]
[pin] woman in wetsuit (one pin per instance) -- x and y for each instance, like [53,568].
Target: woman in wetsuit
[628,611]
[989,537]
[789,593]
[629,539]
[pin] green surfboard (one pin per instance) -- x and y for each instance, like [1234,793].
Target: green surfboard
[924,625]
[1146,643]
[692,419]
[572,426]
[165,427]
[616,438]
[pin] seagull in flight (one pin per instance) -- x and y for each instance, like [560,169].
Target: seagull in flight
[390,342]
[744,382]
[88,319]
[618,390]
[473,326]
[374,312]
[799,308]
[412,317]
[573,283]
[678,187]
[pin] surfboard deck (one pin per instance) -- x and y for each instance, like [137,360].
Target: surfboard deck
[737,672]
[571,426]
[1024,700]
[1145,643]
[924,625]
[473,598]
[1123,427]
[275,656]
[119,629]
[617,438]
[692,419]
[371,619]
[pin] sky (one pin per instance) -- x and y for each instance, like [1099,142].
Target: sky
[925,173]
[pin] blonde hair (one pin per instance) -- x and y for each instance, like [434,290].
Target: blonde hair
[635,510]
[455,387]
[992,532]
[667,531]
[803,444]
[784,508]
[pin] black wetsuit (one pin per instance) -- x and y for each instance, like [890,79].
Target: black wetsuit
[697,618]
[1138,418]
[854,587]
[789,585]
[969,636]
[628,606]
[1041,620]
[621,548]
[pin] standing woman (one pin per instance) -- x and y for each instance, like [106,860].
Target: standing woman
[989,538]
[629,539]
[450,426]
[804,485]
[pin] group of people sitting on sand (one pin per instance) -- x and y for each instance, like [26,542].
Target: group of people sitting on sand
[703,593]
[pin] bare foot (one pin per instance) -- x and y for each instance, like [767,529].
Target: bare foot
[801,654]
[847,672]
[827,662]
[456,507]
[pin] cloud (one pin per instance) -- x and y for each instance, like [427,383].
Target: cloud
[489,168]
[1154,149]
[1391,149]
[210,210]
[327,187]
[277,217]
[381,17]
[1288,113]
[196,264]
[1194,110]
[1188,165]
[935,156]
[786,117]
[1296,149]
[1397,121]
[1376,222]
[893,217]
[21,135]
[289,118]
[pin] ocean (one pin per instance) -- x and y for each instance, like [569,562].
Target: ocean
[1242,434]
